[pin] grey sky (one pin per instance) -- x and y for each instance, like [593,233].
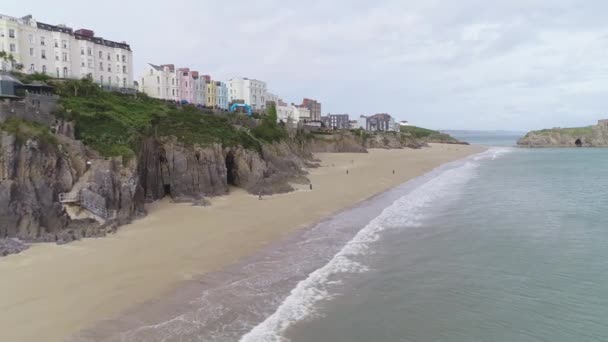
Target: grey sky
[461,64]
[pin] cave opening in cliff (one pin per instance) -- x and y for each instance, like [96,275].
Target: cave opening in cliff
[231,169]
[578,143]
[167,189]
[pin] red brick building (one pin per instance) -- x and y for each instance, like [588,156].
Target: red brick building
[315,108]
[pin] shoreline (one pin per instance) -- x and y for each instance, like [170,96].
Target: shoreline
[88,281]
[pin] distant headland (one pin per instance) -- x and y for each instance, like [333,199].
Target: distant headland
[590,136]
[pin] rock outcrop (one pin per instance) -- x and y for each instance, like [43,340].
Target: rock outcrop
[348,142]
[591,136]
[34,173]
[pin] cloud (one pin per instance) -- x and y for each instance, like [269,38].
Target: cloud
[516,64]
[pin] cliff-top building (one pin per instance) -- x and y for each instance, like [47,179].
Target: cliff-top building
[314,107]
[59,51]
[249,91]
[336,121]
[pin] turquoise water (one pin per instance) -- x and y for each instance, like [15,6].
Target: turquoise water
[507,245]
[511,246]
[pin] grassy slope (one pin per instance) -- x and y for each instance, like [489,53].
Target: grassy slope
[576,131]
[427,135]
[114,124]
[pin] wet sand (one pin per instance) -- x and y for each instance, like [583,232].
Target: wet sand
[51,292]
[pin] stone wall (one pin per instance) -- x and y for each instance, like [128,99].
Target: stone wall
[34,107]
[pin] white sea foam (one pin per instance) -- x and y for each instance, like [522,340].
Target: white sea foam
[404,212]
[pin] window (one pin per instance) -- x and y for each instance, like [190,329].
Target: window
[56,43]
[57,72]
[64,56]
[124,58]
[64,44]
[90,64]
[12,48]
[100,66]
[109,68]
[124,69]
[173,81]
[32,52]
[56,57]
[124,82]
[89,51]
[82,51]
[173,92]
[11,33]
[157,79]
[117,57]
[82,64]
[117,80]
[42,41]
[151,72]
[43,54]
[30,38]
[110,80]
[101,79]
[100,54]
[32,68]
[109,58]
[44,69]
[157,91]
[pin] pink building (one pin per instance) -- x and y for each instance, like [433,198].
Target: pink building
[187,89]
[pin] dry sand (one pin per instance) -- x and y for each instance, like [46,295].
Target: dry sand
[50,292]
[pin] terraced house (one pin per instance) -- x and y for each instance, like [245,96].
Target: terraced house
[60,51]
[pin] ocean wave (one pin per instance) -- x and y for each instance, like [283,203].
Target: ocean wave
[404,212]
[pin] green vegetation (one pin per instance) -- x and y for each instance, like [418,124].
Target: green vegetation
[24,130]
[269,130]
[575,132]
[114,124]
[428,135]
[29,78]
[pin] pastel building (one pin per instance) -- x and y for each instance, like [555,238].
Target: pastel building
[250,91]
[221,95]
[59,51]
[187,91]
[211,93]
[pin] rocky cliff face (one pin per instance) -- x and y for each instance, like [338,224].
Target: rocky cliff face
[347,142]
[190,173]
[592,136]
[34,173]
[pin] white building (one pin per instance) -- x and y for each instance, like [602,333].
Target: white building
[251,92]
[270,97]
[160,81]
[303,114]
[287,113]
[59,51]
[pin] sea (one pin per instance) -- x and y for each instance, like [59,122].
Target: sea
[506,245]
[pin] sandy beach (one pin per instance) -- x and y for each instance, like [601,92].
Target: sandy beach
[50,292]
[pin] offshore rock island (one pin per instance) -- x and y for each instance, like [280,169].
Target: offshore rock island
[590,136]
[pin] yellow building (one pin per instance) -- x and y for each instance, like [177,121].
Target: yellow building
[211,94]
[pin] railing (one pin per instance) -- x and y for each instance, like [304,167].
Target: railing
[68,197]
[88,205]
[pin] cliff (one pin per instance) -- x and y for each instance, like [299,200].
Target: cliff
[90,163]
[37,167]
[591,136]
[359,141]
